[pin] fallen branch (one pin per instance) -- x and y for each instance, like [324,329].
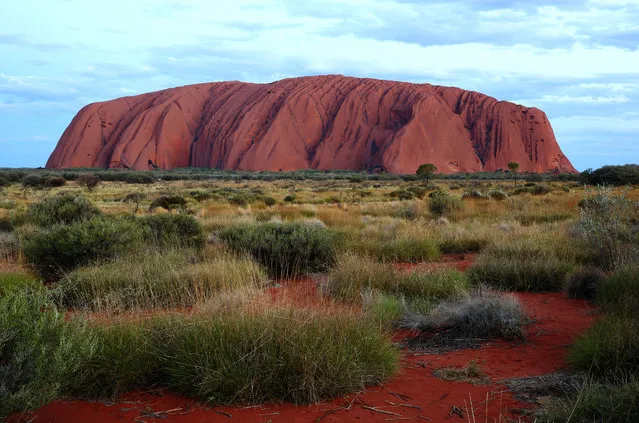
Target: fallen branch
[223,413]
[377,410]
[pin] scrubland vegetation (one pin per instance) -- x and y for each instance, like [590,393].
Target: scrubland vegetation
[163,279]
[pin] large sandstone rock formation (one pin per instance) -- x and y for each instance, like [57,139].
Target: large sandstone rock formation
[321,122]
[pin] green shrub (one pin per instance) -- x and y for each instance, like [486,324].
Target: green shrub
[173,230]
[619,294]
[89,180]
[403,194]
[608,350]
[290,198]
[4,182]
[57,250]
[269,201]
[533,274]
[10,282]
[174,279]
[54,182]
[419,191]
[238,200]
[497,195]
[39,351]
[441,203]
[33,180]
[286,249]
[583,282]
[60,209]
[612,175]
[168,202]
[539,190]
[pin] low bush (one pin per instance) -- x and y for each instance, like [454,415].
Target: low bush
[4,182]
[583,282]
[535,274]
[290,198]
[441,203]
[33,180]
[61,248]
[60,209]
[173,279]
[482,314]
[609,350]
[10,282]
[54,182]
[497,195]
[173,230]
[89,180]
[168,202]
[38,351]
[269,201]
[286,249]
[619,294]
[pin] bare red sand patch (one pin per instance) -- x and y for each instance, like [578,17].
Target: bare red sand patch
[460,262]
[414,394]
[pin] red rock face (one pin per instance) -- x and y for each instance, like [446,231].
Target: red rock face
[322,122]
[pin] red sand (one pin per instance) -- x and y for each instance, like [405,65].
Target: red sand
[556,321]
[460,262]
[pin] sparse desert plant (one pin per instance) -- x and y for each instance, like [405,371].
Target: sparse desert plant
[54,182]
[173,279]
[583,282]
[89,180]
[61,248]
[497,195]
[9,246]
[482,314]
[60,209]
[404,249]
[39,350]
[173,230]
[609,350]
[135,198]
[269,201]
[609,224]
[286,249]
[33,180]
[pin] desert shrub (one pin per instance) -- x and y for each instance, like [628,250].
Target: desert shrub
[156,280]
[59,249]
[269,201]
[596,402]
[539,190]
[200,196]
[168,202]
[61,209]
[33,180]
[408,211]
[608,350]
[137,178]
[354,276]
[474,194]
[482,314]
[609,225]
[54,182]
[497,195]
[173,230]
[441,203]
[240,356]
[403,194]
[4,182]
[89,180]
[134,197]
[582,283]
[38,351]
[238,200]
[419,191]
[619,293]
[612,175]
[528,219]
[286,249]
[382,309]
[537,274]
[290,198]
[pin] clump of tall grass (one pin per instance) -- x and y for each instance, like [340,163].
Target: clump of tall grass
[619,293]
[241,356]
[609,350]
[156,279]
[583,282]
[9,246]
[597,402]
[482,314]
[354,275]
[286,249]
[61,209]
[173,230]
[39,350]
[441,203]
[401,249]
[10,282]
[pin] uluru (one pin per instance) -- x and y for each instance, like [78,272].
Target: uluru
[319,122]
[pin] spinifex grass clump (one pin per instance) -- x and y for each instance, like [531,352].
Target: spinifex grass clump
[173,230]
[62,248]
[583,282]
[286,249]
[39,350]
[241,355]
[156,279]
[482,314]
[619,294]
[401,249]
[355,275]
[61,209]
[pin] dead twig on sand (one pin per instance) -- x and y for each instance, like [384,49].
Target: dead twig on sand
[377,410]
[223,413]
[401,396]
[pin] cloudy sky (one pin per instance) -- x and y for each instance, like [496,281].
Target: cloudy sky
[578,60]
